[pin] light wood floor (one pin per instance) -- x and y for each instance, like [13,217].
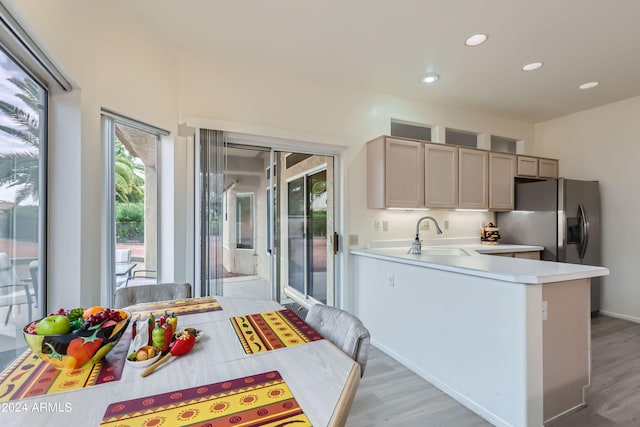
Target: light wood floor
[391,395]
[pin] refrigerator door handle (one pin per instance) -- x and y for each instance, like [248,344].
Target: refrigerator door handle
[584,239]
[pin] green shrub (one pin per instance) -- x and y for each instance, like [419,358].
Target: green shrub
[129,222]
[126,212]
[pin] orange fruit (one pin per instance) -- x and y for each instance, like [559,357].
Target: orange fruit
[91,310]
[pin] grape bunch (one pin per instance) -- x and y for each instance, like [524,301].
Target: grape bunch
[103,316]
[61,311]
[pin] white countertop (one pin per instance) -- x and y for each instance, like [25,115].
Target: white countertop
[507,269]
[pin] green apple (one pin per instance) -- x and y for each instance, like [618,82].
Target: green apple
[53,325]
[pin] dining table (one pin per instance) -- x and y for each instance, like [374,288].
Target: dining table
[224,367]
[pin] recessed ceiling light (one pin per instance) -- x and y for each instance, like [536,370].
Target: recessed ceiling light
[476,39]
[430,78]
[588,85]
[532,66]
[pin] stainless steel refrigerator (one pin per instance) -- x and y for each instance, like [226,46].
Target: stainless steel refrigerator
[563,215]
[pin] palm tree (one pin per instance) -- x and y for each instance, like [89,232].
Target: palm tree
[129,175]
[22,169]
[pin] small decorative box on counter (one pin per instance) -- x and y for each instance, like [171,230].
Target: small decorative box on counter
[490,235]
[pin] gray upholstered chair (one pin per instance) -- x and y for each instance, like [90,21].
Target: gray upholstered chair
[149,293]
[343,329]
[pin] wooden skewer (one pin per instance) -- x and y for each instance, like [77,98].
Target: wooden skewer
[155,364]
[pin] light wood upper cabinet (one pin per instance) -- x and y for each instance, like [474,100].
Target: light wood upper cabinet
[537,167]
[527,166]
[405,173]
[473,188]
[502,170]
[395,173]
[547,168]
[441,176]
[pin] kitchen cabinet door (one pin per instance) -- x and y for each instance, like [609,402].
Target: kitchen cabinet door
[527,166]
[502,170]
[547,168]
[395,173]
[440,176]
[527,255]
[473,188]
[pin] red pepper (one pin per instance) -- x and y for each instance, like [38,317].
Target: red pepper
[168,335]
[82,349]
[163,318]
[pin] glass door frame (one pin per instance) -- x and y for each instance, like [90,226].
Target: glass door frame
[275,143]
[291,291]
[108,121]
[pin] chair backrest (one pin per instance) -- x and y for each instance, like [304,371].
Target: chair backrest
[8,274]
[123,255]
[149,293]
[343,329]
[33,272]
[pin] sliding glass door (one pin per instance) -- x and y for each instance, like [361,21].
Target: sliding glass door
[309,234]
[265,221]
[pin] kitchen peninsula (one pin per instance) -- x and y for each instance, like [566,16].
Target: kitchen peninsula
[507,337]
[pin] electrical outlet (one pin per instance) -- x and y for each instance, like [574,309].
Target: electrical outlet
[353,240]
[545,310]
[385,225]
[424,225]
[376,225]
[391,280]
[446,224]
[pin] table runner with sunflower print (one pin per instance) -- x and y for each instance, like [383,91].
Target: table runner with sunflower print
[272,330]
[31,376]
[257,400]
[179,307]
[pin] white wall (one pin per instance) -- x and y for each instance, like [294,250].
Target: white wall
[118,64]
[603,144]
[113,64]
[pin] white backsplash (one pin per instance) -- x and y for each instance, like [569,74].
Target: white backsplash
[401,226]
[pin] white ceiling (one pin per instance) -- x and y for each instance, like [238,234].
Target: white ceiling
[388,45]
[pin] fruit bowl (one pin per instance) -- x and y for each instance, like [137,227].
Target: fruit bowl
[85,345]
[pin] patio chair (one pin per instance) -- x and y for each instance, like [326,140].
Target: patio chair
[343,329]
[144,277]
[150,293]
[123,261]
[33,272]
[13,291]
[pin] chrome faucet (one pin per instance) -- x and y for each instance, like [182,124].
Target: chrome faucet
[416,246]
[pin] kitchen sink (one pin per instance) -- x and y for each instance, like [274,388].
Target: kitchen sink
[436,250]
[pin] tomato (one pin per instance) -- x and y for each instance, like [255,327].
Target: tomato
[92,310]
[83,349]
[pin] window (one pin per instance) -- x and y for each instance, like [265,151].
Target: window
[131,194]
[23,106]
[462,138]
[409,130]
[506,145]
[244,221]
